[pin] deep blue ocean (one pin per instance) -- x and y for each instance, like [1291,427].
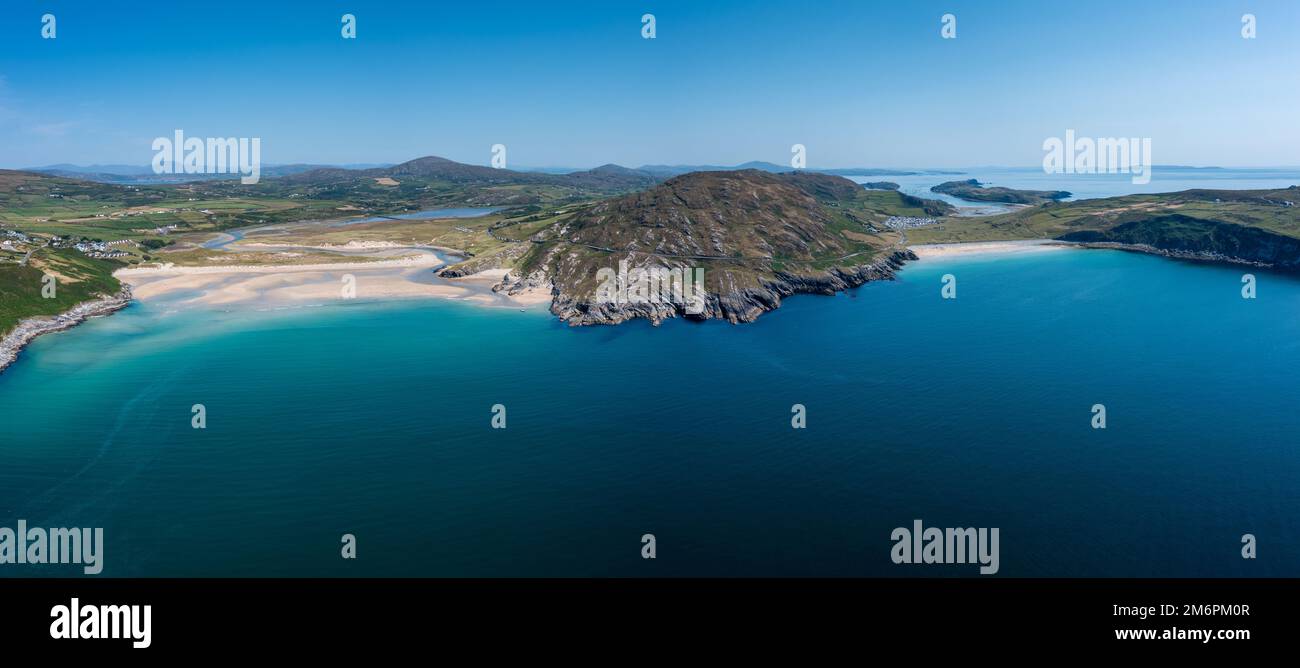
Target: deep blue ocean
[374,419]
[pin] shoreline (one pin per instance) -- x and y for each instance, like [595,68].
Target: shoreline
[981,209]
[276,285]
[354,245]
[1204,257]
[1037,245]
[186,270]
[981,247]
[404,278]
[741,305]
[28,329]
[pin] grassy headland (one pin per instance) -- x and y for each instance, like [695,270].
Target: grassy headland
[1251,226]
[78,279]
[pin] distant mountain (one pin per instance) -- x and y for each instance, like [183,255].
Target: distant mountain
[666,171]
[676,170]
[426,168]
[613,176]
[115,170]
[607,178]
[119,174]
[298,168]
[867,171]
[133,174]
[549,169]
[458,172]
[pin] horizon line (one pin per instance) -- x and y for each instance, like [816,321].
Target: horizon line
[359,165]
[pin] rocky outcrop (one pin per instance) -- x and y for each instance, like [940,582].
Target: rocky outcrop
[30,328]
[973,190]
[473,264]
[742,305]
[513,285]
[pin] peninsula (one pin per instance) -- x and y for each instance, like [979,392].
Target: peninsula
[973,190]
[432,227]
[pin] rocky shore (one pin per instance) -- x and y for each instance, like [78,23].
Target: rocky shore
[1187,238]
[744,305]
[29,329]
[1213,257]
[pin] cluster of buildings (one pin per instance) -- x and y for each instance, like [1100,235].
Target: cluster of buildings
[10,241]
[103,249]
[133,213]
[908,222]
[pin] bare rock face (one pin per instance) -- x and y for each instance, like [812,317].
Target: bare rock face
[741,305]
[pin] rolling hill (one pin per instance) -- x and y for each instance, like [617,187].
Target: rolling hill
[758,236]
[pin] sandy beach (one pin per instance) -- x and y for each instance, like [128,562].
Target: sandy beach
[404,278]
[1027,246]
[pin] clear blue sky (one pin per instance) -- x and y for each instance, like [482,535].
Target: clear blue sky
[860,83]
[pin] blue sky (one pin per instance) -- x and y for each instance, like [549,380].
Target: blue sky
[859,83]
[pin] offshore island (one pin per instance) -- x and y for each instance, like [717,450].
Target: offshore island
[432,227]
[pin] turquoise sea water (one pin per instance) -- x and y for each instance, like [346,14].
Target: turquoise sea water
[374,419]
